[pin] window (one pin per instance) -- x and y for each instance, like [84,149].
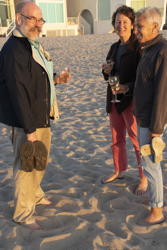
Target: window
[5,14]
[137,4]
[52,12]
[104,9]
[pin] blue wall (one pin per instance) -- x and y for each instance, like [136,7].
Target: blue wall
[104,8]
[53,12]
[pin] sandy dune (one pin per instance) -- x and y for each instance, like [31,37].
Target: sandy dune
[85,214]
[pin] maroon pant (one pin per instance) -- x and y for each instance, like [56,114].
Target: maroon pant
[120,123]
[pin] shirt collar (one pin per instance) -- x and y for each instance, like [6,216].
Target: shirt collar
[35,44]
[151,42]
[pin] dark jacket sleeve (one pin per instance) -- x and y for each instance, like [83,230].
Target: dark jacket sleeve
[105,75]
[109,55]
[109,93]
[159,108]
[18,80]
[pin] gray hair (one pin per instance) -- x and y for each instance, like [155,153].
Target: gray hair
[20,6]
[152,14]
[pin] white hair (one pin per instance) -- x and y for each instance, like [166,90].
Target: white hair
[152,14]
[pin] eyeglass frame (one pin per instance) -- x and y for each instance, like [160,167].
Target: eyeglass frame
[34,19]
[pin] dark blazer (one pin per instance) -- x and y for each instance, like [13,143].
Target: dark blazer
[127,73]
[150,94]
[24,87]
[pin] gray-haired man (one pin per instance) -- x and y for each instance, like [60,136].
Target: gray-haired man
[27,101]
[150,103]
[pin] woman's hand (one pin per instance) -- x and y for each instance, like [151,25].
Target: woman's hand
[121,89]
[107,68]
[64,77]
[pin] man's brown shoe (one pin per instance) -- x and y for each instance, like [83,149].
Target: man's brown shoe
[40,155]
[27,156]
[155,148]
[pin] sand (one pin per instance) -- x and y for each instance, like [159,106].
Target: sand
[85,214]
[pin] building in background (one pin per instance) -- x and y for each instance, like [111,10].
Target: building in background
[73,17]
[57,22]
[7,17]
[95,15]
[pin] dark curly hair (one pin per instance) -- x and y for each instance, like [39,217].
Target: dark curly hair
[126,11]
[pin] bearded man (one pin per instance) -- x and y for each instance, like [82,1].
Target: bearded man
[27,102]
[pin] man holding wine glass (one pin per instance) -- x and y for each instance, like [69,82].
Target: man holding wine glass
[27,103]
[120,73]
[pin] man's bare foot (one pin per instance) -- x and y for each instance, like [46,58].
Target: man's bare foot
[111,178]
[155,217]
[142,187]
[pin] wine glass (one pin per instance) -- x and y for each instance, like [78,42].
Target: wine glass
[114,84]
[113,81]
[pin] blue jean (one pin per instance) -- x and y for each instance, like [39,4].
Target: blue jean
[152,171]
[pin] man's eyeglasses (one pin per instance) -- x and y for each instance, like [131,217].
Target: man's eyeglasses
[34,20]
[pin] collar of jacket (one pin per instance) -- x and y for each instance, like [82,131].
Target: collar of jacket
[54,108]
[19,34]
[151,42]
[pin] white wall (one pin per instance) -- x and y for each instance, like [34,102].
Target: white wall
[103,27]
[74,7]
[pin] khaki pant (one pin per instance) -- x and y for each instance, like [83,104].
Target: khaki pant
[27,189]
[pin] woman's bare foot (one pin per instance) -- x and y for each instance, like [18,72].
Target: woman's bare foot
[142,187]
[156,216]
[44,201]
[111,178]
[34,226]
[31,225]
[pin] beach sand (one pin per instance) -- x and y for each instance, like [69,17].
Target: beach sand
[85,214]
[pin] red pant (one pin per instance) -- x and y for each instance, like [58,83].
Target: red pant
[119,123]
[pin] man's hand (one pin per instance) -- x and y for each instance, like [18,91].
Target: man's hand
[32,137]
[64,77]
